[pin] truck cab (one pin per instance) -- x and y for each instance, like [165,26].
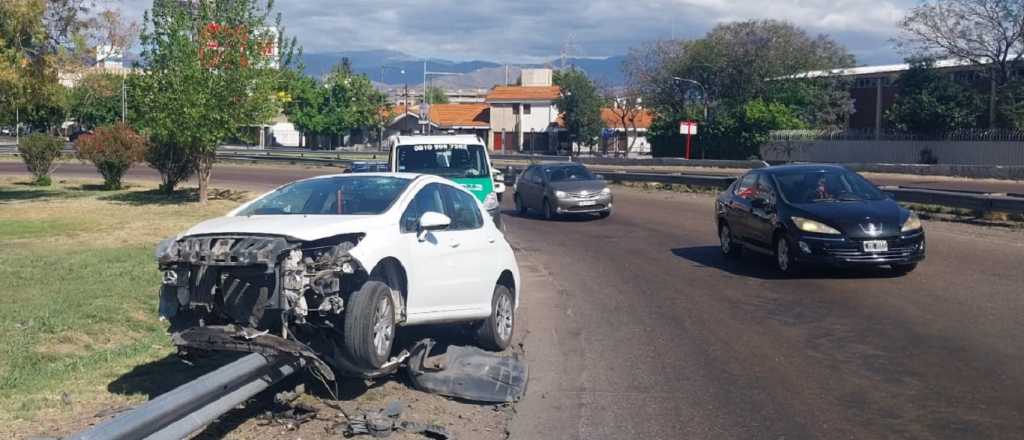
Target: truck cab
[460,158]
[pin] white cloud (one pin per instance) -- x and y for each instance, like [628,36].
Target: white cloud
[531,30]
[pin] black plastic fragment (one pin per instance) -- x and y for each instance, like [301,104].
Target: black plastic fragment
[469,373]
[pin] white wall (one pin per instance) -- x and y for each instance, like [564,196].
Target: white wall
[540,117]
[285,134]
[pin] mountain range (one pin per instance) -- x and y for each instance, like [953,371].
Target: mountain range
[470,74]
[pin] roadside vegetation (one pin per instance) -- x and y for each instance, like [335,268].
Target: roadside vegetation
[78,283]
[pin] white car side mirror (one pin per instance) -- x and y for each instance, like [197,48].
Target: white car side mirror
[431,221]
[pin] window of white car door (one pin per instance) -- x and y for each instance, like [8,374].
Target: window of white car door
[435,267]
[474,249]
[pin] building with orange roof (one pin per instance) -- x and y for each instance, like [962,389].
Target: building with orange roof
[523,117]
[443,118]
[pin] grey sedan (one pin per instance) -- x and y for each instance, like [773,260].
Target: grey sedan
[558,189]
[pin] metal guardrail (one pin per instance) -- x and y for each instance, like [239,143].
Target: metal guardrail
[976,201]
[190,407]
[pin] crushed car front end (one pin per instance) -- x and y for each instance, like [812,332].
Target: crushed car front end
[257,285]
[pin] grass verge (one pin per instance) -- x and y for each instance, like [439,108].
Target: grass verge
[78,289]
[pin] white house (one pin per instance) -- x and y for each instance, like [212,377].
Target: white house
[524,117]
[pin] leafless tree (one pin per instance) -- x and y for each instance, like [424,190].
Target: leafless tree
[982,32]
[627,106]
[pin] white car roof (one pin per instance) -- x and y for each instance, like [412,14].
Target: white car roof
[468,139]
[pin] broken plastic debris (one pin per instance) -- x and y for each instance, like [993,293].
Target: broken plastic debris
[468,373]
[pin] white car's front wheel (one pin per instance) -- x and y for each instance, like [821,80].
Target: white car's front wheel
[495,333]
[370,325]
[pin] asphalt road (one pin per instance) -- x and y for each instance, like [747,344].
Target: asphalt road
[638,328]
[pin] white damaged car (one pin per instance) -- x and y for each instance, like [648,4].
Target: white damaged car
[331,267]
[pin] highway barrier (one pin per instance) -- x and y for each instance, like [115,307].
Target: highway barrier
[186,409]
[981,202]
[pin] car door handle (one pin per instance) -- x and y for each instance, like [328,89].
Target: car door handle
[454,243]
[491,239]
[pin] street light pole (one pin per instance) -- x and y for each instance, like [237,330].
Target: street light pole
[425,98]
[704,98]
[380,138]
[703,92]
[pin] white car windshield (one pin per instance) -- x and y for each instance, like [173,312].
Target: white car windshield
[349,195]
[446,160]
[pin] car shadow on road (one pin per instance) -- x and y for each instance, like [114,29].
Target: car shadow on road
[566,218]
[754,265]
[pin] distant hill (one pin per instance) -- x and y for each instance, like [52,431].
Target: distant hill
[474,74]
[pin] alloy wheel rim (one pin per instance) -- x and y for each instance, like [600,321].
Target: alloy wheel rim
[503,317]
[383,330]
[783,254]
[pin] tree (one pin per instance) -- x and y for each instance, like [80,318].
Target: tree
[580,105]
[343,102]
[113,149]
[39,152]
[40,38]
[737,64]
[930,102]
[209,75]
[96,100]
[983,32]
[352,101]
[437,95]
[628,110]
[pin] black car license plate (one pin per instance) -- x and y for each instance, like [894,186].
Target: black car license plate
[876,246]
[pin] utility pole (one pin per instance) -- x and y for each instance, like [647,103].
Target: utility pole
[424,110]
[124,97]
[17,125]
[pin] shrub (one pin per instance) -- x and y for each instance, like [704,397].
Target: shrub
[172,162]
[39,151]
[113,149]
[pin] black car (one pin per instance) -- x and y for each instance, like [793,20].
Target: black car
[817,214]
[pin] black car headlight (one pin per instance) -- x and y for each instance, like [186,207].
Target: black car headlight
[815,227]
[913,223]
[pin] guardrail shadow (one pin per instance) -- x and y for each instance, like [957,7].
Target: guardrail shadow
[755,265]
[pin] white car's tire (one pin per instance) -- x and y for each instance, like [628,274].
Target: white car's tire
[495,332]
[370,325]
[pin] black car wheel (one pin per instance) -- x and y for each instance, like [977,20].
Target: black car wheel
[520,206]
[727,244]
[784,256]
[370,325]
[903,269]
[495,333]
[549,214]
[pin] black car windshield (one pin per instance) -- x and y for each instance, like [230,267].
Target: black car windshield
[446,160]
[822,186]
[559,174]
[355,195]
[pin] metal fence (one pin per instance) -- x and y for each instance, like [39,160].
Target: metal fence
[963,135]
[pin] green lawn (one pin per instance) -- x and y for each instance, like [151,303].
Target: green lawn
[78,289]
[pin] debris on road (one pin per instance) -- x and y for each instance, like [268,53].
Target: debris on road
[383,423]
[467,373]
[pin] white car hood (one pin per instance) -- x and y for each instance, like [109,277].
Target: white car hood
[302,227]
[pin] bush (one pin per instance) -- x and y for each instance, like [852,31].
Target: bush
[172,162]
[39,151]
[113,149]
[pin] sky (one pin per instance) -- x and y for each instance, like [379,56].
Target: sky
[528,31]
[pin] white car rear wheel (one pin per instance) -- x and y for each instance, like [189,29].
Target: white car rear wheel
[495,333]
